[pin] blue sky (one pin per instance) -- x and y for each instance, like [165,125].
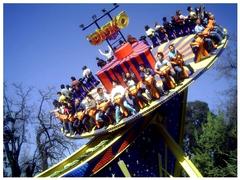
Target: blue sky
[44,46]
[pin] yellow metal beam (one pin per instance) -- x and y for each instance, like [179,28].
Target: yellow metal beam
[187,165]
[160,165]
[124,168]
[165,159]
[178,169]
[167,173]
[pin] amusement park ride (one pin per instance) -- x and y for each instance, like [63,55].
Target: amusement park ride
[149,142]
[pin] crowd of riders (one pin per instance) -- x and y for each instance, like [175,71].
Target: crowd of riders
[82,109]
[181,25]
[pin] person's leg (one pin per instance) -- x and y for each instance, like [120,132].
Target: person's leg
[66,127]
[149,96]
[142,98]
[87,84]
[77,126]
[117,114]
[178,71]
[128,107]
[171,34]
[216,37]
[134,102]
[91,84]
[189,67]
[210,46]
[108,113]
[160,89]
[81,93]
[195,50]
[71,128]
[219,30]
[75,123]
[108,118]
[99,117]
[154,41]
[109,110]
[165,85]
[179,31]
[83,86]
[173,74]
[85,123]
[158,83]
[185,29]
[94,80]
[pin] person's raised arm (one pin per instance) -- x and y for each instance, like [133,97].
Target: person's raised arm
[101,52]
[110,50]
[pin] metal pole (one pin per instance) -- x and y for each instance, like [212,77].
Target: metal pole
[186,163]
[95,22]
[100,18]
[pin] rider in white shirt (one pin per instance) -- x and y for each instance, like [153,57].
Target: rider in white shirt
[118,89]
[91,81]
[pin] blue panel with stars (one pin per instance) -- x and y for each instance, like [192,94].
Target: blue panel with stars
[141,157]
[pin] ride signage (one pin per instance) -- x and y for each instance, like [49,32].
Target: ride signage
[110,30]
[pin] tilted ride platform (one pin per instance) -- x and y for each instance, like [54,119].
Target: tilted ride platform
[78,163]
[182,44]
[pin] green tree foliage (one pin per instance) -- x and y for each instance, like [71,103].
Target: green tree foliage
[196,114]
[212,143]
[211,154]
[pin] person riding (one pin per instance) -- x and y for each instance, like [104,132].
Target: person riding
[77,123]
[131,39]
[100,62]
[173,56]
[152,36]
[144,40]
[59,114]
[149,81]
[168,26]
[91,110]
[69,111]
[205,34]
[216,33]
[190,21]
[104,106]
[181,26]
[79,90]
[65,91]
[61,98]
[88,76]
[162,34]
[198,48]
[82,123]
[70,90]
[135,92]
[191,13]
[164,68]
[199,27]
[119,101]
